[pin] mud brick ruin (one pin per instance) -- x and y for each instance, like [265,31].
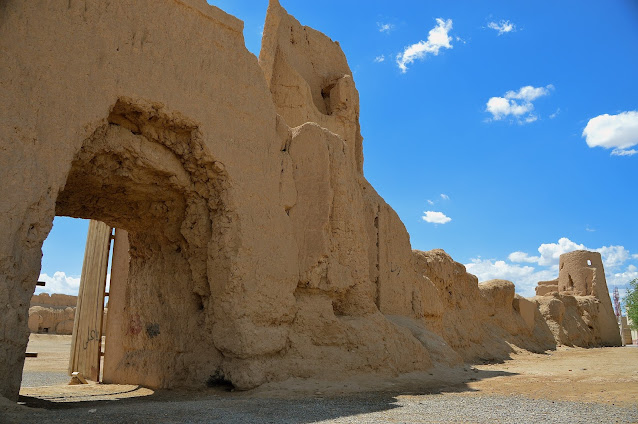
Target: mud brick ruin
[258,250]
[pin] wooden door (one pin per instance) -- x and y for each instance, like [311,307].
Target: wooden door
[86,344]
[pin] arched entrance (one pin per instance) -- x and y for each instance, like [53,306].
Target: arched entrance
[149,174]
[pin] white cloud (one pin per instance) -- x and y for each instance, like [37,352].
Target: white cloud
[590,230]
[59,283]
[620,152]
[430,202]
[555,114]
[501,107]
[531,118]
[387,28]
[621,279]
[618,132]
[529,93]
[524,277]
[502,27]
[445,196]
[437,38]
[550,252]
[545,266]
[436,217]
[517,104]
[613,256]
[379,59]
[522,257]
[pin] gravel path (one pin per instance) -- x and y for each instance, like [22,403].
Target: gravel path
[370,408]
[44,378]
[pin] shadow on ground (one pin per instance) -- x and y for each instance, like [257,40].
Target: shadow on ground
[220,405]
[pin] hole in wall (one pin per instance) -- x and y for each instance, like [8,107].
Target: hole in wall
[325,94]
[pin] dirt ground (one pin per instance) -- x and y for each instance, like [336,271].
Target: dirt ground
[598,384]
[50,367]
[605,375]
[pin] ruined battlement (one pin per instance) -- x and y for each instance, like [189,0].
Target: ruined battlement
[257,250]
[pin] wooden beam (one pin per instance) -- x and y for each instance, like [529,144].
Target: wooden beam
[41,283]
[87,330]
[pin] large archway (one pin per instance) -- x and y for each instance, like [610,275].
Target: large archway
[149,174]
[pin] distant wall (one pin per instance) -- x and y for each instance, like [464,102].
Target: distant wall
[51,320]
[52,314]
[54,300]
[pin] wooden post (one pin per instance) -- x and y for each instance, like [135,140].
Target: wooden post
[114,351]
[86,343]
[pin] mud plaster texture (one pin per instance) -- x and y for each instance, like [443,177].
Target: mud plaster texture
[258,251]
[578,308]
[53,314]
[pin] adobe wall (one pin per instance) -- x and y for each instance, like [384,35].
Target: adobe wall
[578,271]
[257,249]
[51,320]
[578,308]
[55,300]
[180,85]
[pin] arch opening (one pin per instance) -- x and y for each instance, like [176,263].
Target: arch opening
[148,173]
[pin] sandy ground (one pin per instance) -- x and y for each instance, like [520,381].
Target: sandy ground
[605,375]
[568,385]
[50,367]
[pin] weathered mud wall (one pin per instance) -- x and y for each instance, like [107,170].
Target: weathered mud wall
[164,127]
[481,321]
[578,308]
[257,249]
[52,314]
[51,320]
[54,300]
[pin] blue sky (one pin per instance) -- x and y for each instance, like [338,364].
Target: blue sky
[474,116]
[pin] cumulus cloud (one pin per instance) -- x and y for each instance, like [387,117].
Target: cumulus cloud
[618,132]
[59,283]
[545,266]
[525,277]
[387,28]
[522,257]
[502,26]
[438,38]
[517,104]
[623,278]
[435,217]
[445,196]
[379,59]
[550,252]
[430,202]
[613,256]
[529,93]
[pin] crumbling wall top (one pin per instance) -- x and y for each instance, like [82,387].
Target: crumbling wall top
[579,271]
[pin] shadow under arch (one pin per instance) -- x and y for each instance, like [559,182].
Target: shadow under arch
[150,173]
